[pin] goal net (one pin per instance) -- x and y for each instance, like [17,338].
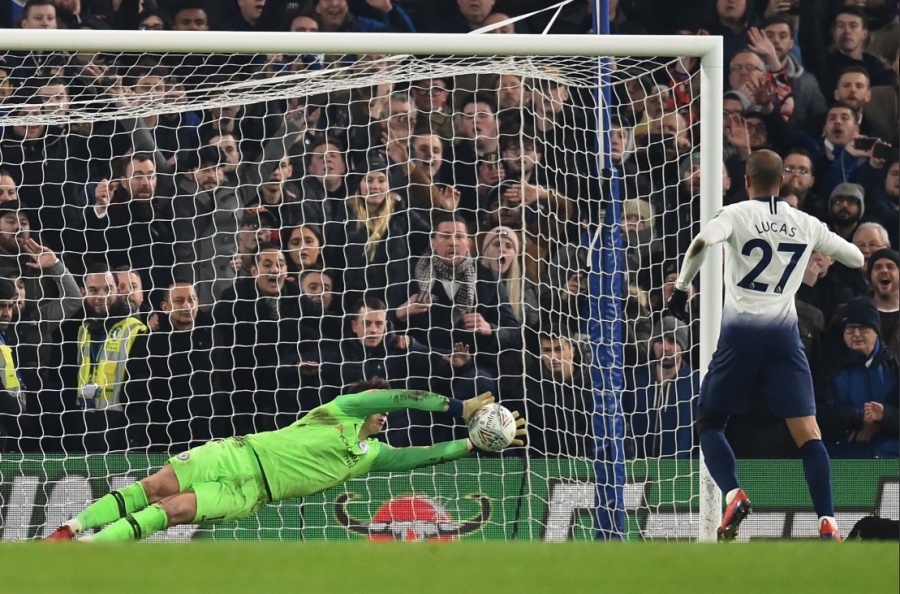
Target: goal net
[202,244]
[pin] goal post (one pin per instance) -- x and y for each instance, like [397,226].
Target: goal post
[529,57]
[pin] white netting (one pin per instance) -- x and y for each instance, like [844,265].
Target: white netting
[272,218]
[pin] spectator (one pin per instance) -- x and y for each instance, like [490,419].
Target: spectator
[883,110]
[132,224]
[847,203]
[883,190]
[862,419]
[732,20]
[478,148]
[468,16]
[560,404]
[884,279]
[869,238]
[822,289]
[501,251]
[107,339]
[321,312]
[500,23]
[374,244]
[809,103]
[303,248]
[130,287]
[449,299]
[799,179]
[38,157]
[280,196]
[190,15]
[14,423]
[660,401]
[179,371]
[256,352]
[207,219]
[849,32]
[151,19]
[853,89]
[432,101]
[323,187]
[639,230]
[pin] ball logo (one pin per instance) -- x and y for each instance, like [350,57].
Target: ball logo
[413,518]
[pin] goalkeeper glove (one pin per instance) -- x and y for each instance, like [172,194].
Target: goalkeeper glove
[473,404]
[676,305]
[520,431]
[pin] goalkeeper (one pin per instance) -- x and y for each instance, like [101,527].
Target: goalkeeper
[224,481]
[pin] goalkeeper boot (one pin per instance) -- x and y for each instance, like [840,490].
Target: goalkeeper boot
[738,509]
[828,529]
[64,532]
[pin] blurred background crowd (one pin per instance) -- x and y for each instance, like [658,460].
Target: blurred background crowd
[182,273]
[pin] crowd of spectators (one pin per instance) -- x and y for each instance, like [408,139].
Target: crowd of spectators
[196,273]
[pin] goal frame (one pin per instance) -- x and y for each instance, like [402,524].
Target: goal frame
[709,49]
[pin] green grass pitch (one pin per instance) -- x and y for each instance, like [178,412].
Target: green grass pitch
[460,568]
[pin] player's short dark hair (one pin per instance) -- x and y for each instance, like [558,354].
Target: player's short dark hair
[765,170]
[373,383]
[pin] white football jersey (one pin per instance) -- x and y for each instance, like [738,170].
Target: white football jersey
[767,246]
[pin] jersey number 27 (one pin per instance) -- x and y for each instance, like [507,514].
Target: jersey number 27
[749,281]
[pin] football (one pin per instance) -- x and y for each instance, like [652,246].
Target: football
[492,428]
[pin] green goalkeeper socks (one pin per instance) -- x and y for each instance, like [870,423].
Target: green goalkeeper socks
[113,506]
[136,526]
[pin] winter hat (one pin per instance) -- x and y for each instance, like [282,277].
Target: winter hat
[669,327]
[502,231]
[688,162]
[880,254]
[848,190]
[863,311]
[639,208]
[745,103]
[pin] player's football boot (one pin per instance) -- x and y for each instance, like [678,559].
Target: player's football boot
[735,512]
[64,532]
[828,529]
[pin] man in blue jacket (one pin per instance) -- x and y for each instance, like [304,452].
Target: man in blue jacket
[862,420]
[660,403]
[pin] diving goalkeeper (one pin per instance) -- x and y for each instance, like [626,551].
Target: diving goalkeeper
[227,480]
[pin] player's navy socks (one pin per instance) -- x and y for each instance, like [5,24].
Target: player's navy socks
[113,506]
[719,458]
[817,469]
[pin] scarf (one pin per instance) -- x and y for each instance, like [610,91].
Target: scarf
[433,269]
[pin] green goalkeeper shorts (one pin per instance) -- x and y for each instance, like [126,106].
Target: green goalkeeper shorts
[226,478]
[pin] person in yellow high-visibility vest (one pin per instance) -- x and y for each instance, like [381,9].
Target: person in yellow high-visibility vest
[109,337]
[12,401]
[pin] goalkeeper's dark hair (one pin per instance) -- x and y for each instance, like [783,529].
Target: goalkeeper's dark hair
[8,290]
[765,170]
[373,383]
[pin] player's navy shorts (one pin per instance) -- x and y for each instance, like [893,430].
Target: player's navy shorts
[752,364]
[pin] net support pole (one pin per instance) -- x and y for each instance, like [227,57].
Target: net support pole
[605,286]
[711,89]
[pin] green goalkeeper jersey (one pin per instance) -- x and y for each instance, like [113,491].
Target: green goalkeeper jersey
[323,449]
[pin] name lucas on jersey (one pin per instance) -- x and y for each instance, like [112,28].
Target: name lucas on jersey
[773,227]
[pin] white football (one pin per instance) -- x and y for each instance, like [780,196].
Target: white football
[492,427]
